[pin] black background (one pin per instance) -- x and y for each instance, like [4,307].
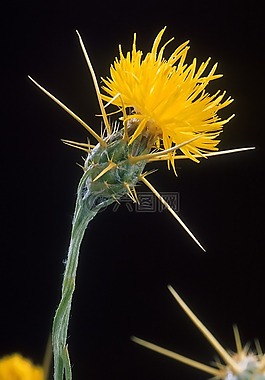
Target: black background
[128,259]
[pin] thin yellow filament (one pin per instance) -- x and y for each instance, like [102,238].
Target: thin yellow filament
[77,118]
[178,357]
[237,339]
[93,75]
[170,209]
[81,146]
[110,166]
[214,342]
[165,152]
[205,155]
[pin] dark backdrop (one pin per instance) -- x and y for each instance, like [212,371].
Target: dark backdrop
[128,258]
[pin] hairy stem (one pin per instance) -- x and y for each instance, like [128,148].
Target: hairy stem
[85,211]
[61,320]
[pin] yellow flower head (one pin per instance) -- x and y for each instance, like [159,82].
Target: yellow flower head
[15,367]
[167,97]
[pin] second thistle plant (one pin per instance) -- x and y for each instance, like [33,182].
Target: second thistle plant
[244,364]
[166,115]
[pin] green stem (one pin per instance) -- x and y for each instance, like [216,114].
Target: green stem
[61,320]
[84,213]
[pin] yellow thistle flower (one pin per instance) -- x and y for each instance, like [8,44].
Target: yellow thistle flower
[16,367]
[167,97]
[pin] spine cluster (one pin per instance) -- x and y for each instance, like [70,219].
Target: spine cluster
[110,172]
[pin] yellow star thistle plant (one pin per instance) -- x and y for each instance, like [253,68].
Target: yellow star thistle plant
[244,364]
[164,109]
[16,367]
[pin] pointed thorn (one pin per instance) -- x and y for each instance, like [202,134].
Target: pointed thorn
[94,78]
[170,209]
[209,336]
[71,113]
[178,357]
[237,339]
[104,171]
